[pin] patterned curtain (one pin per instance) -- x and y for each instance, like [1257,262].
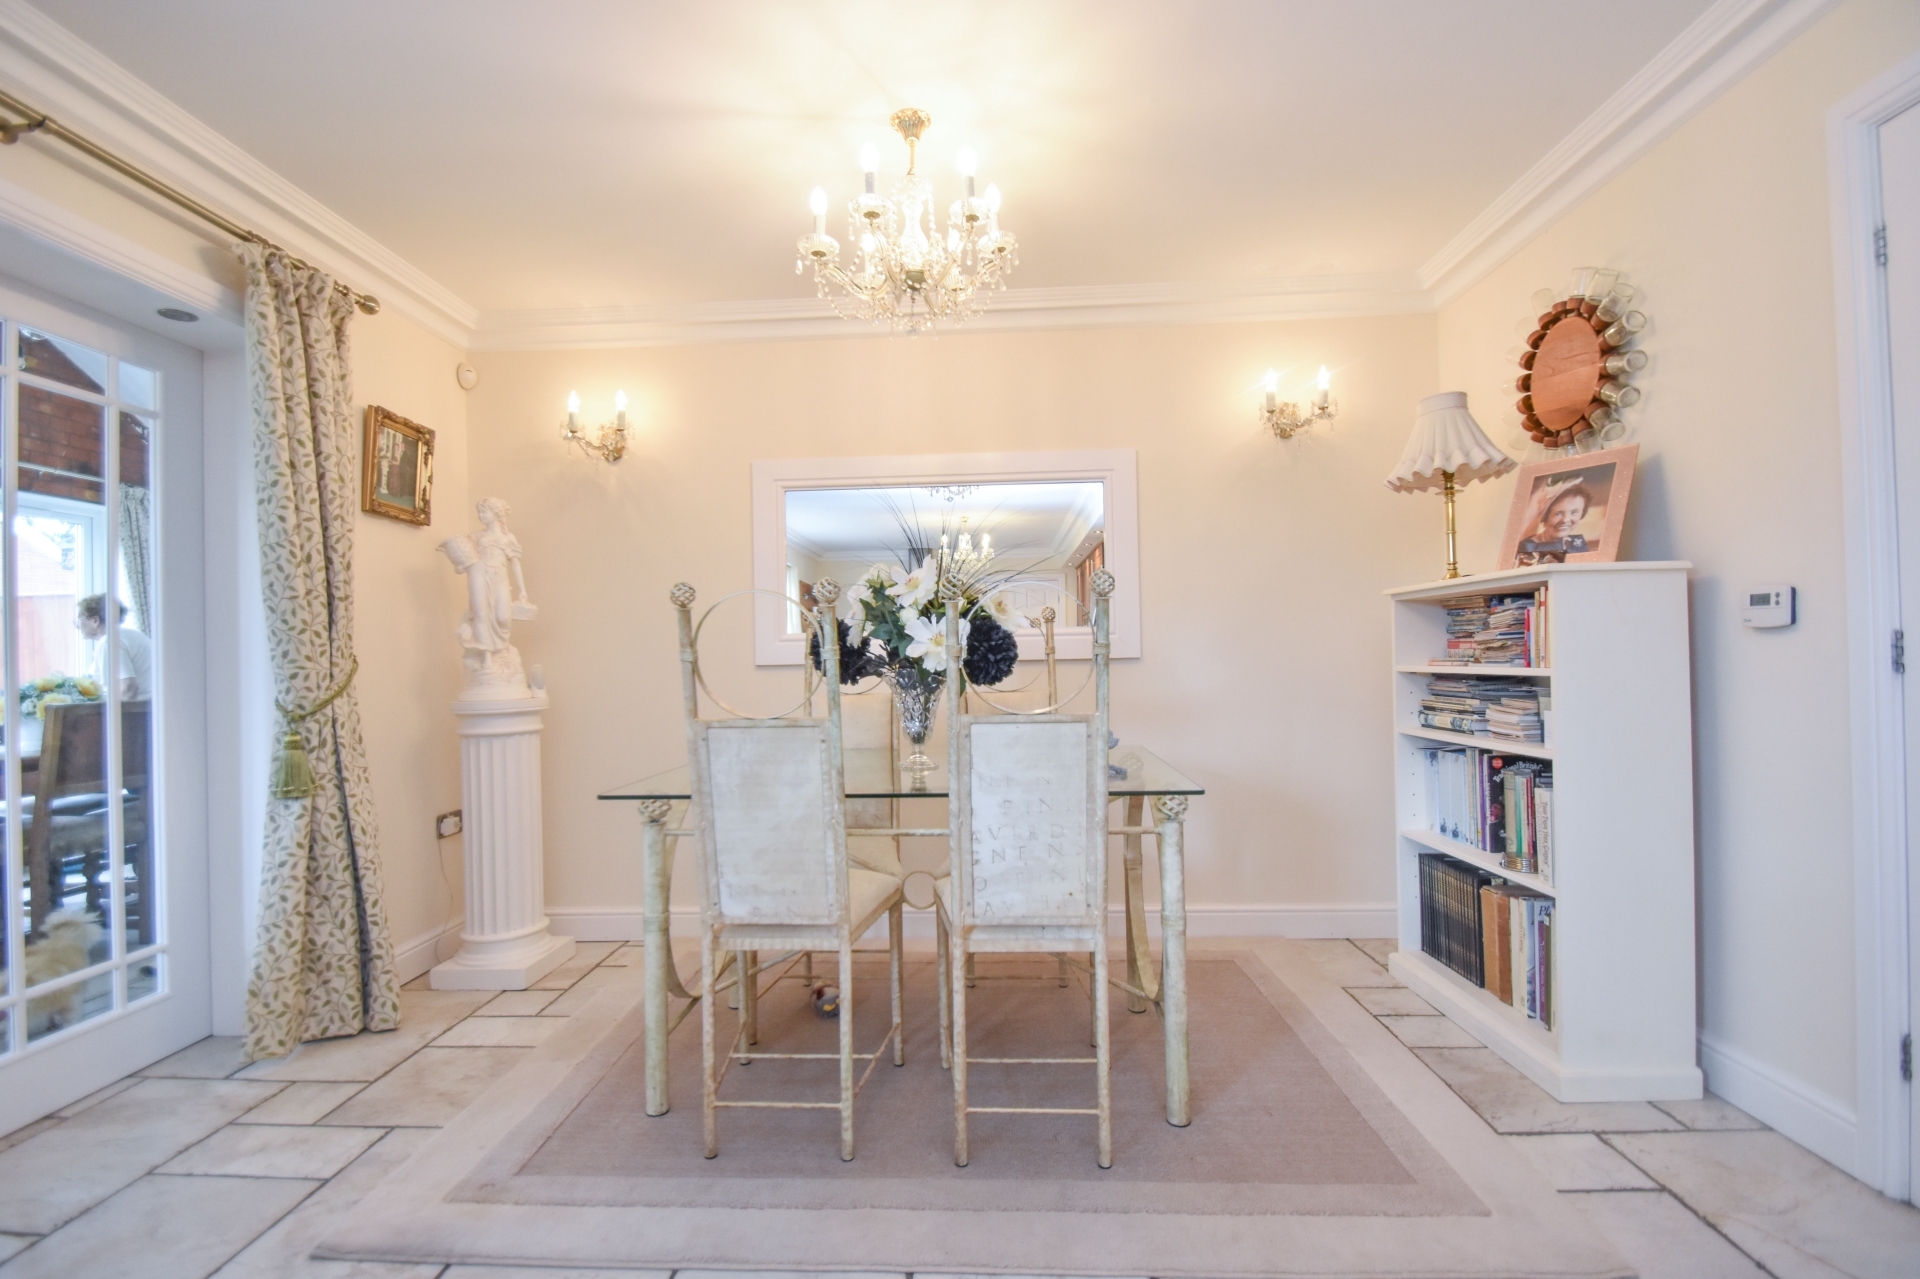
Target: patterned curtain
[136,551]
[323,962]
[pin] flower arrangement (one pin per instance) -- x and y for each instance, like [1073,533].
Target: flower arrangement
[55,690]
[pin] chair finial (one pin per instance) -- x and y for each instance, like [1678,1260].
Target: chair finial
[826,590]
[1047,614]
[1102,582]
[681,595]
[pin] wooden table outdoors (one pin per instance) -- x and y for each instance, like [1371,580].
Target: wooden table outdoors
[870,774]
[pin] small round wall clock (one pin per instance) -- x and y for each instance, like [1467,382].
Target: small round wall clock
[1577,369]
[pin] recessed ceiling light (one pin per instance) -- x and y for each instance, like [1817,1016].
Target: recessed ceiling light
[175,313]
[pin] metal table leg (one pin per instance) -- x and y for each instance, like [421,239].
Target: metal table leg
[1171,809]
[657,876]
[1139,960]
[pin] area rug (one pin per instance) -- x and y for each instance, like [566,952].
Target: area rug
[1319,1146]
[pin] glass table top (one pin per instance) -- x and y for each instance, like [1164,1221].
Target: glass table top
[870,775]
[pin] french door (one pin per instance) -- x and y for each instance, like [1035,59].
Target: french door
[103,927]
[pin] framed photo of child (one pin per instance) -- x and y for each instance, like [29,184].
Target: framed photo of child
[397,468]
[1569,510]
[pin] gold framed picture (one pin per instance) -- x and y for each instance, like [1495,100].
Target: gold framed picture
[396,468]
[1569,510]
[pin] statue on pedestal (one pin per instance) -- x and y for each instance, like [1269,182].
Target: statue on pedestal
[496,597]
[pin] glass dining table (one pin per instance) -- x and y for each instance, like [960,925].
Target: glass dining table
[1136,775]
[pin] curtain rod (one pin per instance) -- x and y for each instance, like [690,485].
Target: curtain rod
[40,122]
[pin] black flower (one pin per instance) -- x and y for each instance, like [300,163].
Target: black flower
[855,663]
[991,651]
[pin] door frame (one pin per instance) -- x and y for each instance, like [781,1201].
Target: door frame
[1883,994]
[42,1078]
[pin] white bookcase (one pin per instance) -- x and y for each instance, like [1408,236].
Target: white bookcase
[1621,740]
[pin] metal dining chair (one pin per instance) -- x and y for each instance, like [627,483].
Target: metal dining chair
[770,811]
[1028,866]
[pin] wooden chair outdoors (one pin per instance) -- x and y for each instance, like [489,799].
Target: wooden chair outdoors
[66,827]
[771,816]
[1028,869]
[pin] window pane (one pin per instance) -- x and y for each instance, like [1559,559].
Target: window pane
[62,445]
[134,588]
[137,386]
[75,1003]
[59,360]
[143,977]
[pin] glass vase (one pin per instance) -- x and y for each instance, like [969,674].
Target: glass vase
[916,692]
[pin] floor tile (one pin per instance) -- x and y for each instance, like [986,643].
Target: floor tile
[1581,1161]
[215,1057]
[10,1244]
[423,982]
[305,1102]
[1710,1114]
[586,957]
[269,1150]
[424,1016]
[177,1227]
[628,955]
[1341,962]
[1511,1102]
[1765,1188]
[540,1272]
[430,1088]
[801,1274]
[95,1098]
[1429,1032]
[1778,1257]
[1656,1233]
[284,1250]
[517,1003]
[24,1131]
[586,988]
[1395,1001]
[53,1177]
[1377,948]
[496,1032]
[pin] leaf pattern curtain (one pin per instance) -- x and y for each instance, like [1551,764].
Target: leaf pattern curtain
[136,551]
[323,960]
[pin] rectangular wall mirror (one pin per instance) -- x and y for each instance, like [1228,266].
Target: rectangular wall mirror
[1048,520]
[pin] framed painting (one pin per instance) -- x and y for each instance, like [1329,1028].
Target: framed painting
[397,468]
[1569,510]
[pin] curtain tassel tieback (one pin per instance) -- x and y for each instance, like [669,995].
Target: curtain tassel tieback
[292,775]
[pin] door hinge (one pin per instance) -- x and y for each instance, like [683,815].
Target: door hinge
[1899,652]
[1880,245]
[1906,1058]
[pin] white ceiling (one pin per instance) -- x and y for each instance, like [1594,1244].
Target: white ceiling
[606,153]
[1032,526]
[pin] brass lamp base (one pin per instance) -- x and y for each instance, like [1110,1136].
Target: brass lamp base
[1453,553]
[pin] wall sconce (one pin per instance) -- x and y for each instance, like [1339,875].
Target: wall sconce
[1288,420]
[610,445]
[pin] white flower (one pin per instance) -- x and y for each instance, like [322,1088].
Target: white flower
[878,578]
[921,585]
[1002,611]
[930,641]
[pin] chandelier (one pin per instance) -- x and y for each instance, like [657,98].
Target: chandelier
[904,273]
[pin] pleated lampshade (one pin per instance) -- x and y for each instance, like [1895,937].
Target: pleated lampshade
[1446,438]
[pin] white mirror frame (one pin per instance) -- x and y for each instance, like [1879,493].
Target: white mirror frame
[1114,469]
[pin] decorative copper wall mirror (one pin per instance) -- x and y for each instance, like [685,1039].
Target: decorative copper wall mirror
[1576,372]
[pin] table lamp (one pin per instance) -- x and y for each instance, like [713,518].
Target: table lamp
[1448,450]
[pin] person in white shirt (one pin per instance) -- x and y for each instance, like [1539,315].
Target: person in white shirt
[136,650]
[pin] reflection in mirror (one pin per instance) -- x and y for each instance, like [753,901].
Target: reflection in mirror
[1047,538]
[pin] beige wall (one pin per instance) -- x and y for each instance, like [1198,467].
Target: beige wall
[1265,638]
[1724,226]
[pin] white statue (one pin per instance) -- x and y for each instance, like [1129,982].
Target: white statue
[496,596]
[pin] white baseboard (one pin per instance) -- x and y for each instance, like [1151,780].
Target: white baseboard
[1821,1123]
[1337,920]
[412,958]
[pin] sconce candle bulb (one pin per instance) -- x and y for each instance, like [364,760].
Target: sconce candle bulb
[1288,420]
[610,444]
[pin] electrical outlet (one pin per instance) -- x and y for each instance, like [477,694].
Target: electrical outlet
[447,825]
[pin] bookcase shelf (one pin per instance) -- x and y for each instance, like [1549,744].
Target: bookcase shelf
[1621,741]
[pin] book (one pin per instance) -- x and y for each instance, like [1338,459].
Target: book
[1493,932]
[1508,629]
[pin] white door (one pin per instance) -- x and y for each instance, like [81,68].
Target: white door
[104,894]
[1900,211]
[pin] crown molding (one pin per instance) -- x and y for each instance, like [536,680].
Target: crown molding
[1720,47]
[1077,307]
[74,82]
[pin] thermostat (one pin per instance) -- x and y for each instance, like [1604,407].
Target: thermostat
[1768,606]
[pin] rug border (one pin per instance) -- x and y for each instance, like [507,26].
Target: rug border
[1528,1230]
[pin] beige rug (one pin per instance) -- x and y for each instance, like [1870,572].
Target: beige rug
[1319,1146]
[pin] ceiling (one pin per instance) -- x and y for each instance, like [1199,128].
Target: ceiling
[1031,526]
[607,153]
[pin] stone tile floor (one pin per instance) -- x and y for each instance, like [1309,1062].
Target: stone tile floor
[199,1166]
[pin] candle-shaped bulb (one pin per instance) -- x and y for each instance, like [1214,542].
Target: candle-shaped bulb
[1271,383]
[986,541]
[1320,397]
[818,203]
[1325,377]
[993,198]
[869,164]
[573,408]
[969,165]
[620,409]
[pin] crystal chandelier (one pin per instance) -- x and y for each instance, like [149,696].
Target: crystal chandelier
[905,273]
[963,563]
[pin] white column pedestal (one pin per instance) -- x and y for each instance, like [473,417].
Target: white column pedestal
[507,943]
